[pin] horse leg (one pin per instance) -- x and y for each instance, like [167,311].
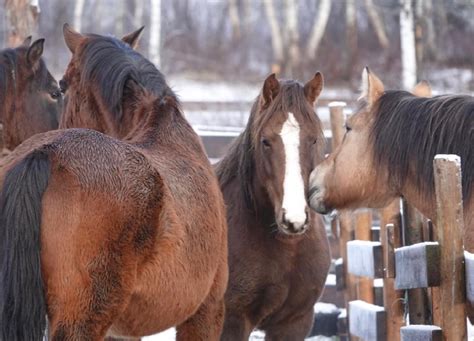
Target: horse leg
[294,330]
[236,328]
[206,324]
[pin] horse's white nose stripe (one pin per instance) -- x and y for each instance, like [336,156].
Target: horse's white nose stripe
[294,202]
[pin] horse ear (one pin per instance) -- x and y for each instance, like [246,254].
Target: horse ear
[26,42]
[422,89]
[133,38]
[35,51]
[271,88]
[372,87]
[72,38]
[313,88]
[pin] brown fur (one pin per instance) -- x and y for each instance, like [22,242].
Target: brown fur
[275,278]
[30,100]
[133,231]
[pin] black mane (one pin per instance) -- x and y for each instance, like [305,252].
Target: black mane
[409,131]
[111,63]
[239,162]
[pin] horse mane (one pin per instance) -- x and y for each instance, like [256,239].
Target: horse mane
[409,131]
[109,64]
[239,162]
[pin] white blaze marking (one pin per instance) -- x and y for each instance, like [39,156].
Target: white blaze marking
[294,202]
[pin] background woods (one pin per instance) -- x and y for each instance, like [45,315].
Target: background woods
[246,38]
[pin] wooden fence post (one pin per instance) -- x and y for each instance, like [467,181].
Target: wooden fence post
[346,221]
[418,303]
[363,224]
[390,226]
[449,230]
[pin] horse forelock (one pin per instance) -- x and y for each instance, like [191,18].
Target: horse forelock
[240,160]
[408,131]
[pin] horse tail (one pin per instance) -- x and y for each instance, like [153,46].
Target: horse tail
[22,299]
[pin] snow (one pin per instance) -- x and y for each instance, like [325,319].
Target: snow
[449,157]
[337,104]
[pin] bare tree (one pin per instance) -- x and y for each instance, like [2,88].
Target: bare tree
[430,31]
[78,10]
[22,18]
[234,18]
[319,27]
[351,37]
[407,37]
[138,13]
[155,32]
[377,23]
[293,36]
[277,42]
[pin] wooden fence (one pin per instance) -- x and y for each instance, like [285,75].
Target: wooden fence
[421,267]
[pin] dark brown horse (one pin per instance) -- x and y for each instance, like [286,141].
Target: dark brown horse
[30,100]
[388,151]
[278,250]
[122,236]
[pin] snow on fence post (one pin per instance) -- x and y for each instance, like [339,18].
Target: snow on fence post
[449,230]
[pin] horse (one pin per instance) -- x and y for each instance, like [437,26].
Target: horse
[388,151]
[278,250]
[118,231]
[30,99]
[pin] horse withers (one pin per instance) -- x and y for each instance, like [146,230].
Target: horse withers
[388,151]
[278,249]
[117,232]
[30,99]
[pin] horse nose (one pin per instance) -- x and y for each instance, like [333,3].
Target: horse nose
[295,224]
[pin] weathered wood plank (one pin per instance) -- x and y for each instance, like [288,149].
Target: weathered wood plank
[390,223]
[365,258]
[340,275]
[367,321]
[469,263]
[421,332]
[450,226]
[418,303]
[417,266]
[363,231]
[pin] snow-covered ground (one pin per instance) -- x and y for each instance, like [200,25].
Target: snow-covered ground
[170,334]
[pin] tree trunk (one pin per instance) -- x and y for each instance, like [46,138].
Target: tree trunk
[319,27]
[138,13]
[234,18]
[430,47]
[351,38]
[293,42]
[22,19]
[78,10]
[377,24]
[155,32]
[407,37]
[277,43]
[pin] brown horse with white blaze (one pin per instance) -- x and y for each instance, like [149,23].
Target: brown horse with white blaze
[30,99]
[388,151]
[278,249]
[119,234]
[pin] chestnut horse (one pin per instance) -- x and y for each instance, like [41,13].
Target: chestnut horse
[30,99]
[278,249]
[388,151]
[120,236]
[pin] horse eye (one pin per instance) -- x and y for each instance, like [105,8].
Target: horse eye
[63,85]
[266,143]
[348,129]
[56,94]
